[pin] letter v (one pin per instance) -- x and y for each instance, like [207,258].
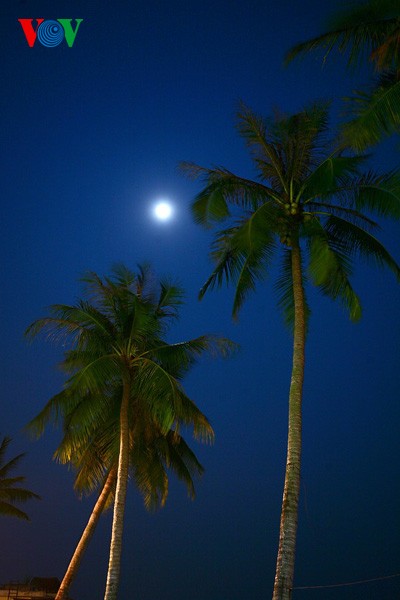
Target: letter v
[29,32]
[70,34]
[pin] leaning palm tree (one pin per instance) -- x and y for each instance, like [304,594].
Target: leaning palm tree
[120,362]
[10,492]
[152,454]
[150,474]
[94,470]
[311,206]
[368,30]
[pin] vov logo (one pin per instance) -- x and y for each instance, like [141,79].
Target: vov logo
[50,33]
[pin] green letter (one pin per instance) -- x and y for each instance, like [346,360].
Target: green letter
[70,34]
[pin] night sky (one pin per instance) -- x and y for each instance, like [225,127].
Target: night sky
[91,137]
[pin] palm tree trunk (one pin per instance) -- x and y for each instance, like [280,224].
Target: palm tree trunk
[119,502]
[86,536]
[289,513]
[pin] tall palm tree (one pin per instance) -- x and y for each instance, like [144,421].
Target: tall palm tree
[312,207]
[120,364]
[10,492]
[368,30]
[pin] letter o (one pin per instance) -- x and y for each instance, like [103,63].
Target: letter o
[50,33]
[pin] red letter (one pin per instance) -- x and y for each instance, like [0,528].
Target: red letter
[29,32]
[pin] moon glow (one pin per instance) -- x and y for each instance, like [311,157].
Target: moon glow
[162,210]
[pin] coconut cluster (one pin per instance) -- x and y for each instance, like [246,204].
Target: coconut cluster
[292,208]
[294,211]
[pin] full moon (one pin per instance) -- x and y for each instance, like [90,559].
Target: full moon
[163,210]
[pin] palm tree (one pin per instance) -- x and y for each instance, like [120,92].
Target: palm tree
[122,371]
[151,454]
[369,30]
[10,493]
[309,203]
[150,474]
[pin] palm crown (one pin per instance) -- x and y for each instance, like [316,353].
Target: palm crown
[310,193]
[117,334]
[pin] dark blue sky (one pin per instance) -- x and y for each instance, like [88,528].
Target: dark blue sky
[91,136]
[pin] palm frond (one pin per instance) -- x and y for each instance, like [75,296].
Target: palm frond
[179,357]
[243,253]
[96,291]
[166,402]
[5,442]
[11,464]
[75,323]
[54,411]
[9,510]
[359,242]
[10,492]
[305,140]
[327,177]
[210,204]
[15,494]
[375,112]
[151,478]
[257,133]
[161,392]
[222,187]
[126,278]
[92,471]
[91,427]
[92,377]
[182,461]
[170,299]
[379,194]
[228,262]
[255,244]
[359,31]
[350,214]
[330,270]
